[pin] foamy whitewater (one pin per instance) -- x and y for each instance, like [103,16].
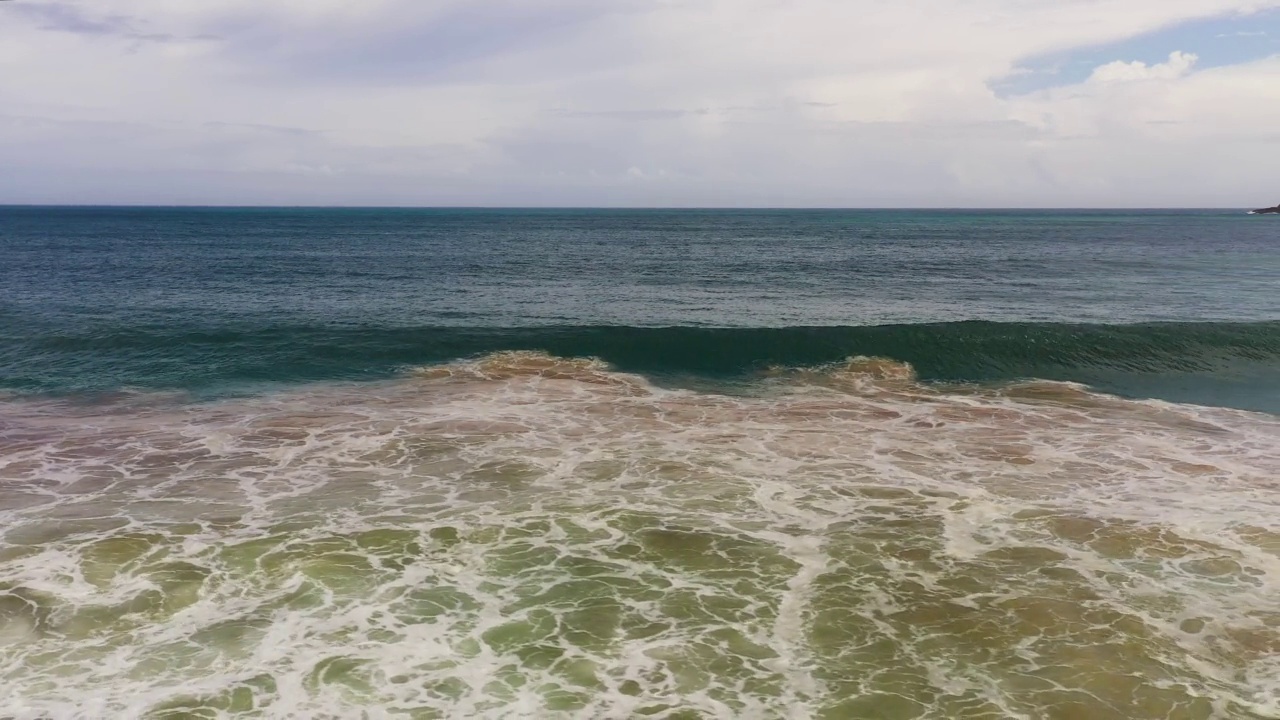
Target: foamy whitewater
[521,536]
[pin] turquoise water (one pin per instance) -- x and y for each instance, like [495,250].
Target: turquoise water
[614,464]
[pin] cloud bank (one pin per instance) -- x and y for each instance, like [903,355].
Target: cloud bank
[627,102]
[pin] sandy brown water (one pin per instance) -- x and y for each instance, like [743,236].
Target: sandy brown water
[525,536]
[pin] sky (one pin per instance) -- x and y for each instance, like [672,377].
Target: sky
[641,103]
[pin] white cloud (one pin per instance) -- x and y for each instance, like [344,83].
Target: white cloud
[1179,64]
[702,102]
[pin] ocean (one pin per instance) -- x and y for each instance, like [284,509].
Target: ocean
[368,463]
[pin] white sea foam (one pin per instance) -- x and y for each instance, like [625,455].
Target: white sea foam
[527,537]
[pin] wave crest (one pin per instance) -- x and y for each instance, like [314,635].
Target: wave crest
[529,364]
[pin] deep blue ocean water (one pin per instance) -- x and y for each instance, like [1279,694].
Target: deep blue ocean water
[1183,306]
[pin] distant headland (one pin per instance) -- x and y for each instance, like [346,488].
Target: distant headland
[1266,211]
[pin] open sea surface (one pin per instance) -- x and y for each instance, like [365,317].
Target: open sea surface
[294,463]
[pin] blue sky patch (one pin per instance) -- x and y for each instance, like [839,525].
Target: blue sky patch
[1228,40]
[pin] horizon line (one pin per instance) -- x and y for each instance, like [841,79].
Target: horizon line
[834,208]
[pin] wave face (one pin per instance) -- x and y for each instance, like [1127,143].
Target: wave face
[1231,364]
[522,535]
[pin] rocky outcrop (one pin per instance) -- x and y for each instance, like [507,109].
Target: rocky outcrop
[1267,211]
